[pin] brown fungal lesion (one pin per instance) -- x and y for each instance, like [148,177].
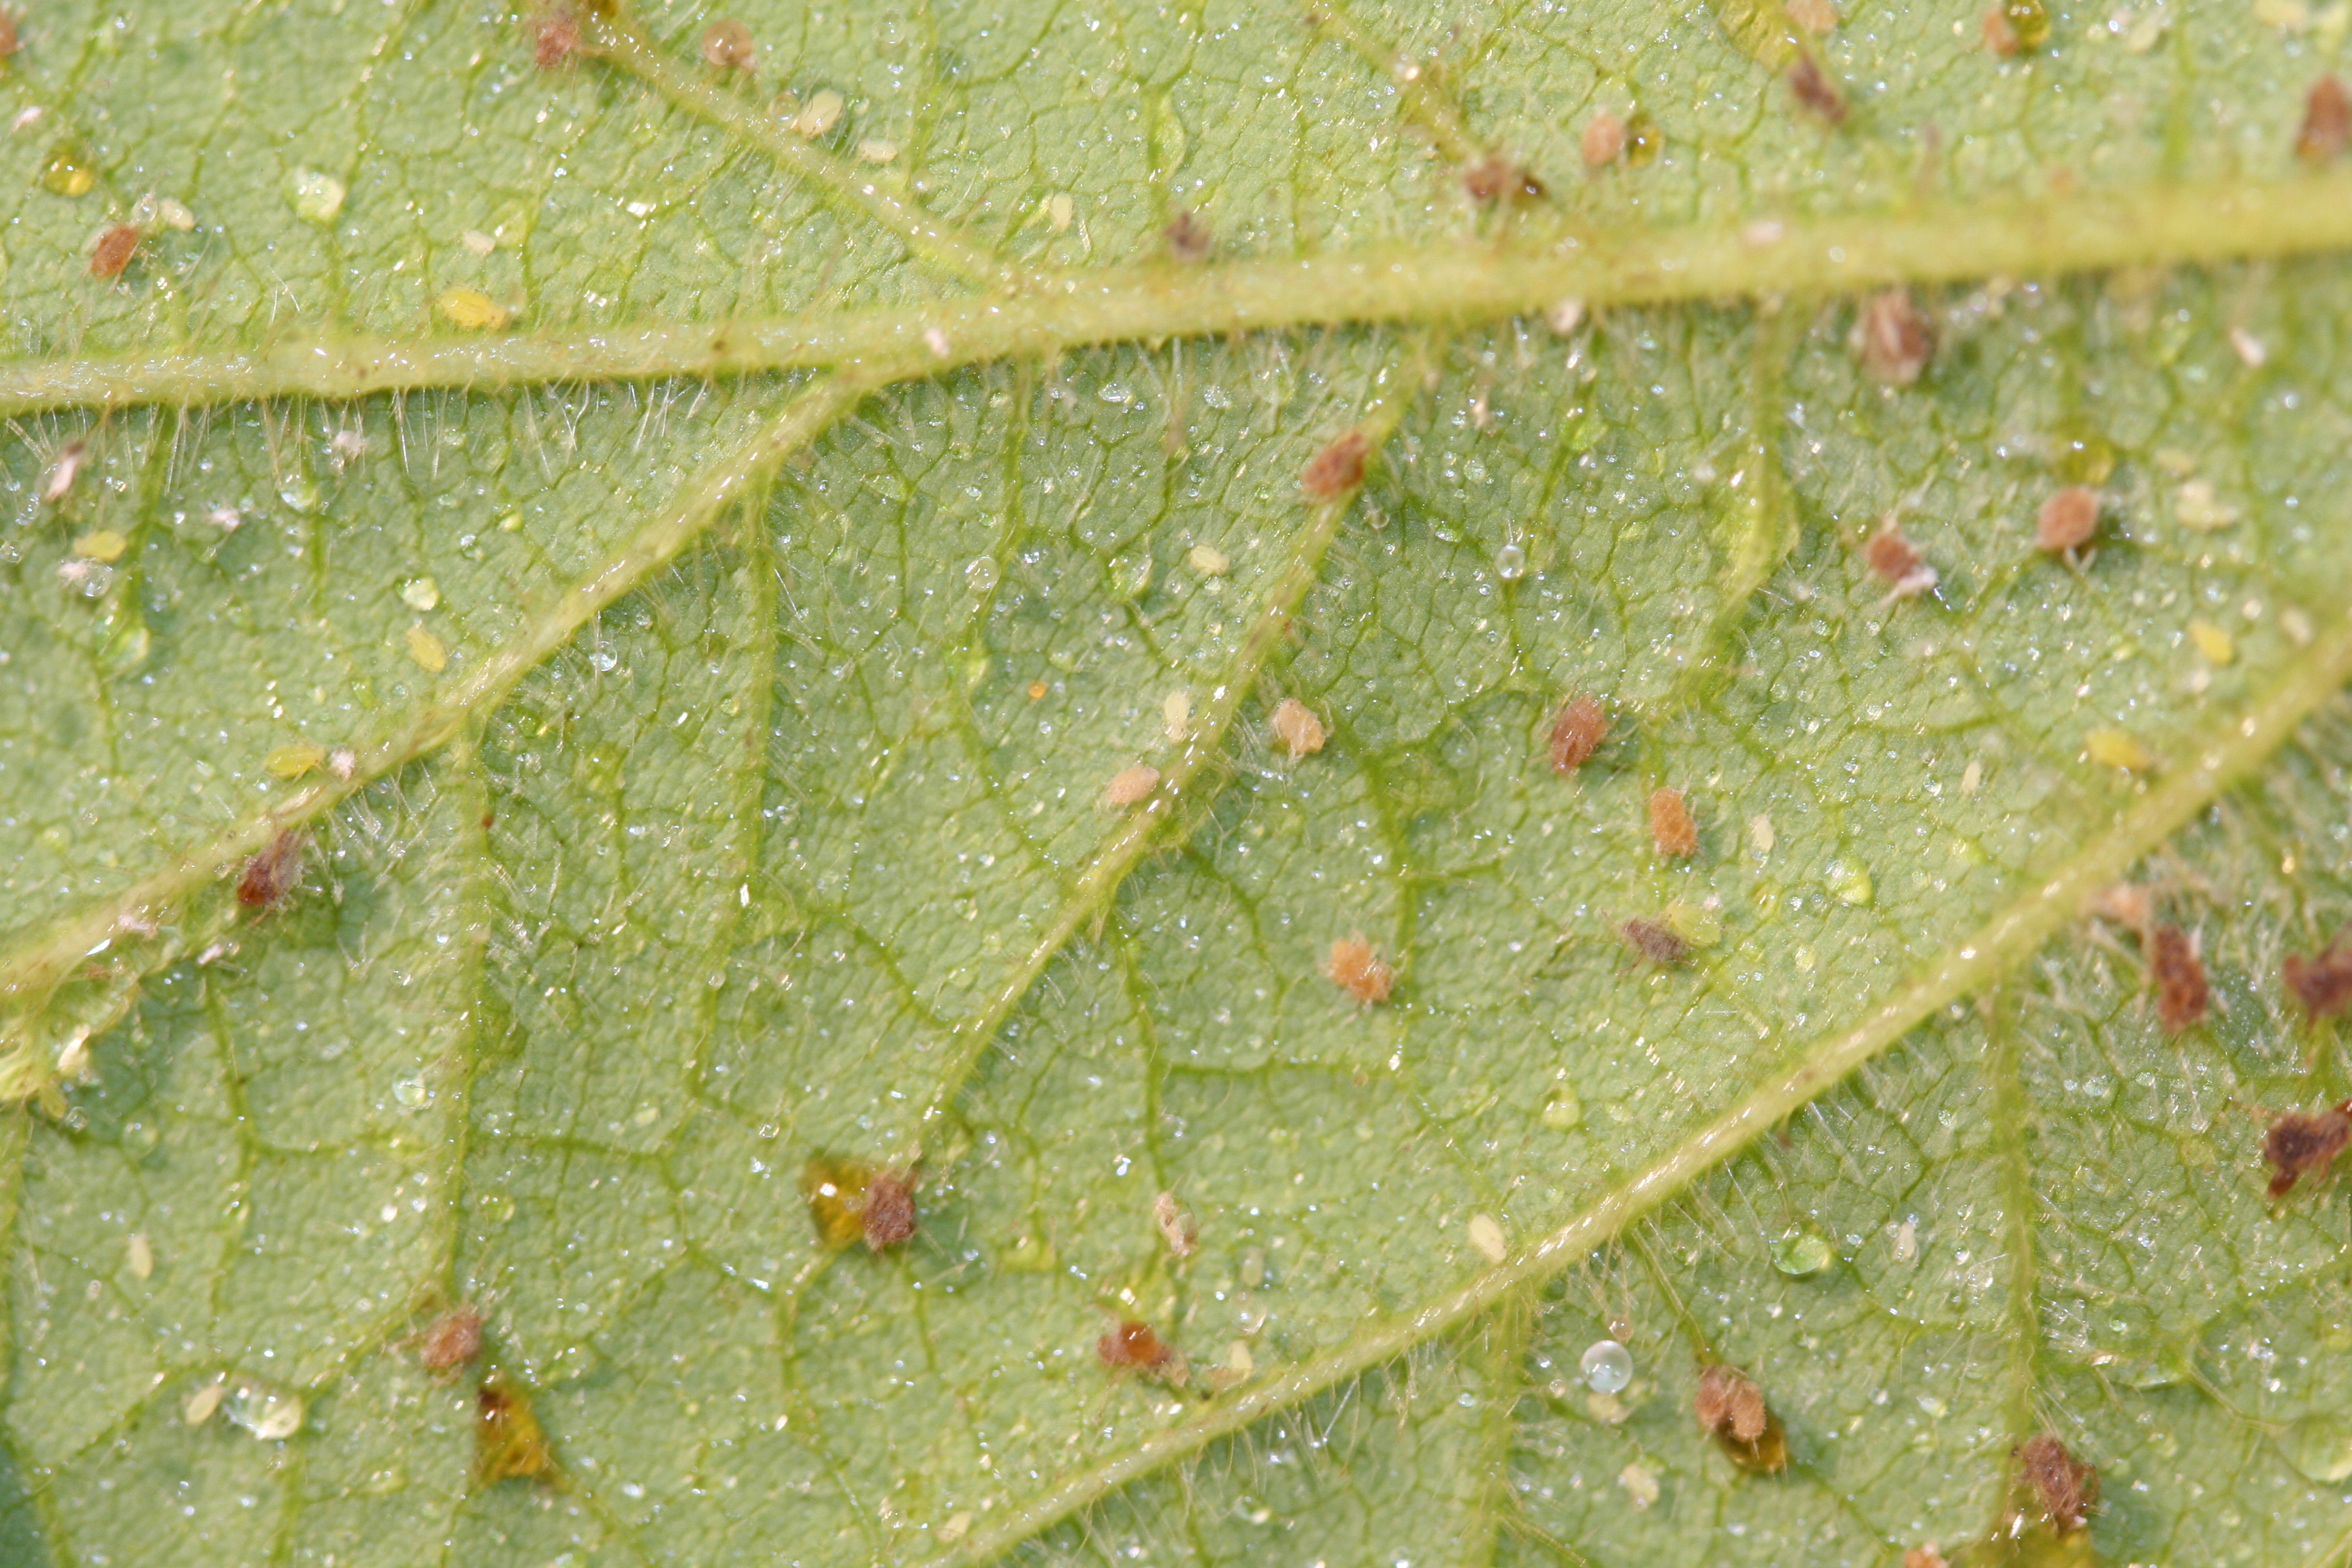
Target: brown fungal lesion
[2182,994]
[1187,238]
[2327,128]
[114,250]
[850,1201]
[1654,940]
[1356,967]
[1132,1347]
[509,1442]
[2322,981]
[2305,1143]
[450,1341]
[1672,831]
[2067,520]
[272,873]
[1337,469]
[1895,560]
[1814,90]
[1733,1410]
[2064,1488]
[1578,731]
[1495,178]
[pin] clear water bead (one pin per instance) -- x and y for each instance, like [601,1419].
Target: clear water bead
[1510,563]
[980,576]
[1608,1366]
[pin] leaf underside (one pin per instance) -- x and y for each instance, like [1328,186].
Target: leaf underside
[700,773]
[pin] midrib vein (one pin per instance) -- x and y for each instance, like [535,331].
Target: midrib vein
[2223,758]
[1441,282]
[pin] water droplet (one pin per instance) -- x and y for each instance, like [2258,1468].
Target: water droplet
[1510,563]
[269,1416]
[1116,392]
[68,172]
[302,495]
[1608,1366]
[408,1092]
[420,594]
[1850,881]
[2318,1447]
[1130,574]
[980,575]
[1562,1111]
[1253,1508]
[317,198]
[1801,1252]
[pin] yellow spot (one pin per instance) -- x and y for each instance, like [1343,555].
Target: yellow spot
[2215,644]
[431,654]
[106,544]
[1640,1486]
[472,310]
[1696,924]
[1486,1239]
[1208,561]
[874,149]
[1851,882]
[293,762]
[2114,749]
[69,171]
[953,1529]
[820,114]
[1971,779]
[1238,1358]
[142,1257]
[1760,834]
[836,1190]
[1060,208]
[420,594]
[1176,713]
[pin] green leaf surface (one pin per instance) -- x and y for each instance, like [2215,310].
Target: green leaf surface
[686,553]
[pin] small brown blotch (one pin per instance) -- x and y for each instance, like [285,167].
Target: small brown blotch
[2064,1488]
[1133,1347]
[1672,831]
[1927,1554]
[1130,786]
[1187,238]
[2181,993]
[9,42]
[1896,562]
[509,1442]
[2322,983]
[1604,140]
[1355,968]
[1495,178]
[1655,940]
[836,1190]
[2016,28]
[1037,689]
[1732,1409]
[489,820]
[451,1340]
[114,250]
[1338,469]
[727,45]
[1894,337]
[270,875]
[889,1216]
[2305,1143]
[2326,122]
[1300,733]
[2067,520]
[1814,92]
[555,38]
[1577,732]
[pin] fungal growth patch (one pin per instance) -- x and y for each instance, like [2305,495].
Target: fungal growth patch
[1672,831]
[113,251]
[2181,993]
[509,1442]
[1133,1348]
[1577,732]
[1296,729]
[2064,1488]
[1187,238]
[1337,469]
[2305,1143]
[1813,91]
[850,1201]
[2327,127]
[2322,983]
[1733,1410]
[889,1214]
[1130,786]
[1355,969]
[452,1340]
[1894,560]
[1655,940]
[555,38]
[1894,337]
[272,874]
[2067,520]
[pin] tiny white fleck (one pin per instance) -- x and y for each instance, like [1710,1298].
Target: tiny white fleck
[475,241]
[63,469]
[1566,316]
[1971,778]
[2250,347]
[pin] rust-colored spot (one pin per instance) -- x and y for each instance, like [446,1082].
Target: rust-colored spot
[1037,689]
[272,874]
[2305,1143]
[1604,140]
[1895,338]
[113,251]
[509,1442]
[2182,995]
[2322,983]
[1577,732]
[2326,122]
[2067,520]
[1338,469]
[1133,1347]
[1670,828]
[1297,727]
[1732,1409]
[1655,940]
[890,1216]
[555,38]
[1814,92]
[453,1338]
[1355,969]
[9,43]
[2064,1488]
[727,45]
[1496,177]
[1187,238]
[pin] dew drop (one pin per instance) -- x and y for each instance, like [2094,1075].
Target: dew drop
[1510,563]
[2318,1447]
[1801,1252]
[408,1092]
[1608,1366]
[1562,1111]
[980,575]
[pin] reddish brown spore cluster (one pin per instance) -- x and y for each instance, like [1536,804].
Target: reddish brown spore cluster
[2064,1488]
[555,38]
[2067,520]
[1133,1347]
[271,875]
[1187,238]
[9,42]
[1577,732]
[1654,940]
[2322,983]
[2181,993]
[453,1338]
[2306,1143]
[1338,469]
[2326,122]
[1495,177]
[113,251]
[1813,91]
[1732,1409]
[1896,339]
[1354,967]
[1670,828]
[1896,562]
[890,1214]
